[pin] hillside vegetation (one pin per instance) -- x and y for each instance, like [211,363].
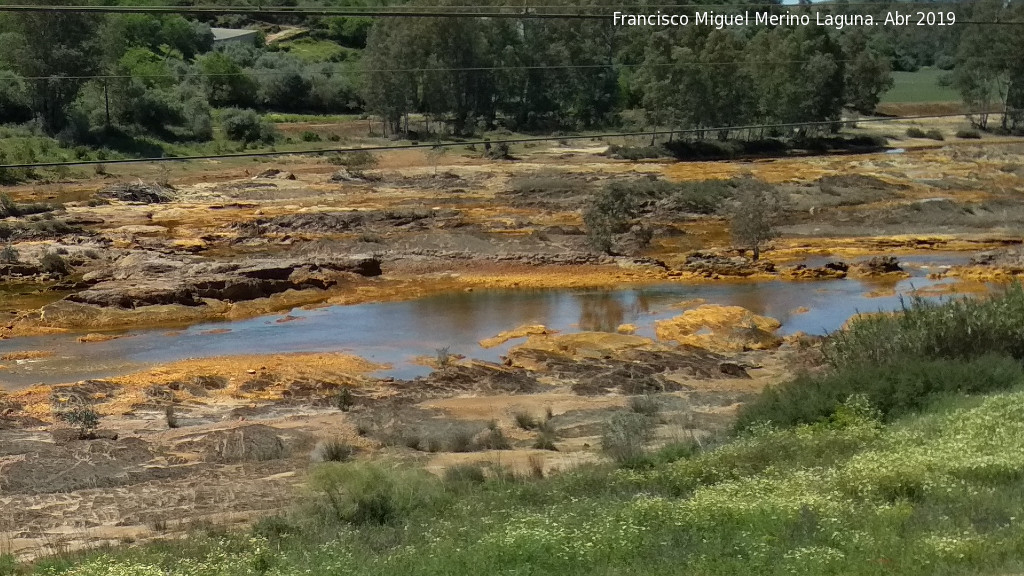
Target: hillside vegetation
[930,486]
[93,86]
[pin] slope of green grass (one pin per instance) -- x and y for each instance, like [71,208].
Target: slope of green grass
[920,86]
[938,493]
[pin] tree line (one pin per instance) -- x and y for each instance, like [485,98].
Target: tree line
[82,77]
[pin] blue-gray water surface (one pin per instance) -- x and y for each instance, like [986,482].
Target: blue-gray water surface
[395,333]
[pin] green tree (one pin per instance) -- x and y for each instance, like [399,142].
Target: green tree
[868,72]
[225,82]
[798,75]
[54,49]
[755,211]
[15,105]
[388,90]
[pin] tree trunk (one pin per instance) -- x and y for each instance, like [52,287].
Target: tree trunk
[757,252]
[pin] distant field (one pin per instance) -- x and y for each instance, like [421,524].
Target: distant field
[318,50]
[920,86]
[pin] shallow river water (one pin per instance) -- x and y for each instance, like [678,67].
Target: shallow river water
[396,333]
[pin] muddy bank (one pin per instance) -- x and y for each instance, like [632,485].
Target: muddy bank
[228,439]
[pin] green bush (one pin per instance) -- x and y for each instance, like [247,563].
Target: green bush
[246,126]
[333,450]
[608,214]
[495,438]
[701,197]
[958,328]
[893,389]
[9,255]
[525,421]
[86,420]
[464,474]
[368,494]
[54,263]
[934,135]
[625,437]
[968,134]
[647,405]
[914,132]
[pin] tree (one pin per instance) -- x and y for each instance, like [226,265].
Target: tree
[14,98]
[756,208]
[284,85]
[225,82]
[388,90]
[868,73]
[59,48]
[609,214]
[988,71]
[798,75]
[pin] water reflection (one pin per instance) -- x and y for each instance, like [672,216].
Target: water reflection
[397,332]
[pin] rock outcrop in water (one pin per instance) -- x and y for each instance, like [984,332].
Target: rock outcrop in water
[722,329]
[187,282]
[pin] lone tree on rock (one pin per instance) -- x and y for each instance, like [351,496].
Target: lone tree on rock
[753,217]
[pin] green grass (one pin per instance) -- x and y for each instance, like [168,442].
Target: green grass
[920,86]
[959,328]
[312,50]
[938,493]
[895,389]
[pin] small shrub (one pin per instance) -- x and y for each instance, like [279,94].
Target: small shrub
[495,438]
[647,405]
[366,494]
[525,421]
[444,357]
[344,400]
[7,206]
[273,527]
[464,474]
[915,132]
[9,255]
[934,135]
[499,151]
[170,416]
[635,153]
[100,169]
[545,441]
[309,136]
[536,463]
[83,418]
[968,134]
[460,440]
[356,161]
[53,263]
[625,437]
[246,126]
[956,328]
[333,450]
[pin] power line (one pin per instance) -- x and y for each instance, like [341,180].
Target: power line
[359,70]
[320,151]
[512,12]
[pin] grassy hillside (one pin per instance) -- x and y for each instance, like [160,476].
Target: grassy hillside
[919,87]
[927,485]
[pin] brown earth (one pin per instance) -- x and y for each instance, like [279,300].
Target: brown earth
[226,244]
